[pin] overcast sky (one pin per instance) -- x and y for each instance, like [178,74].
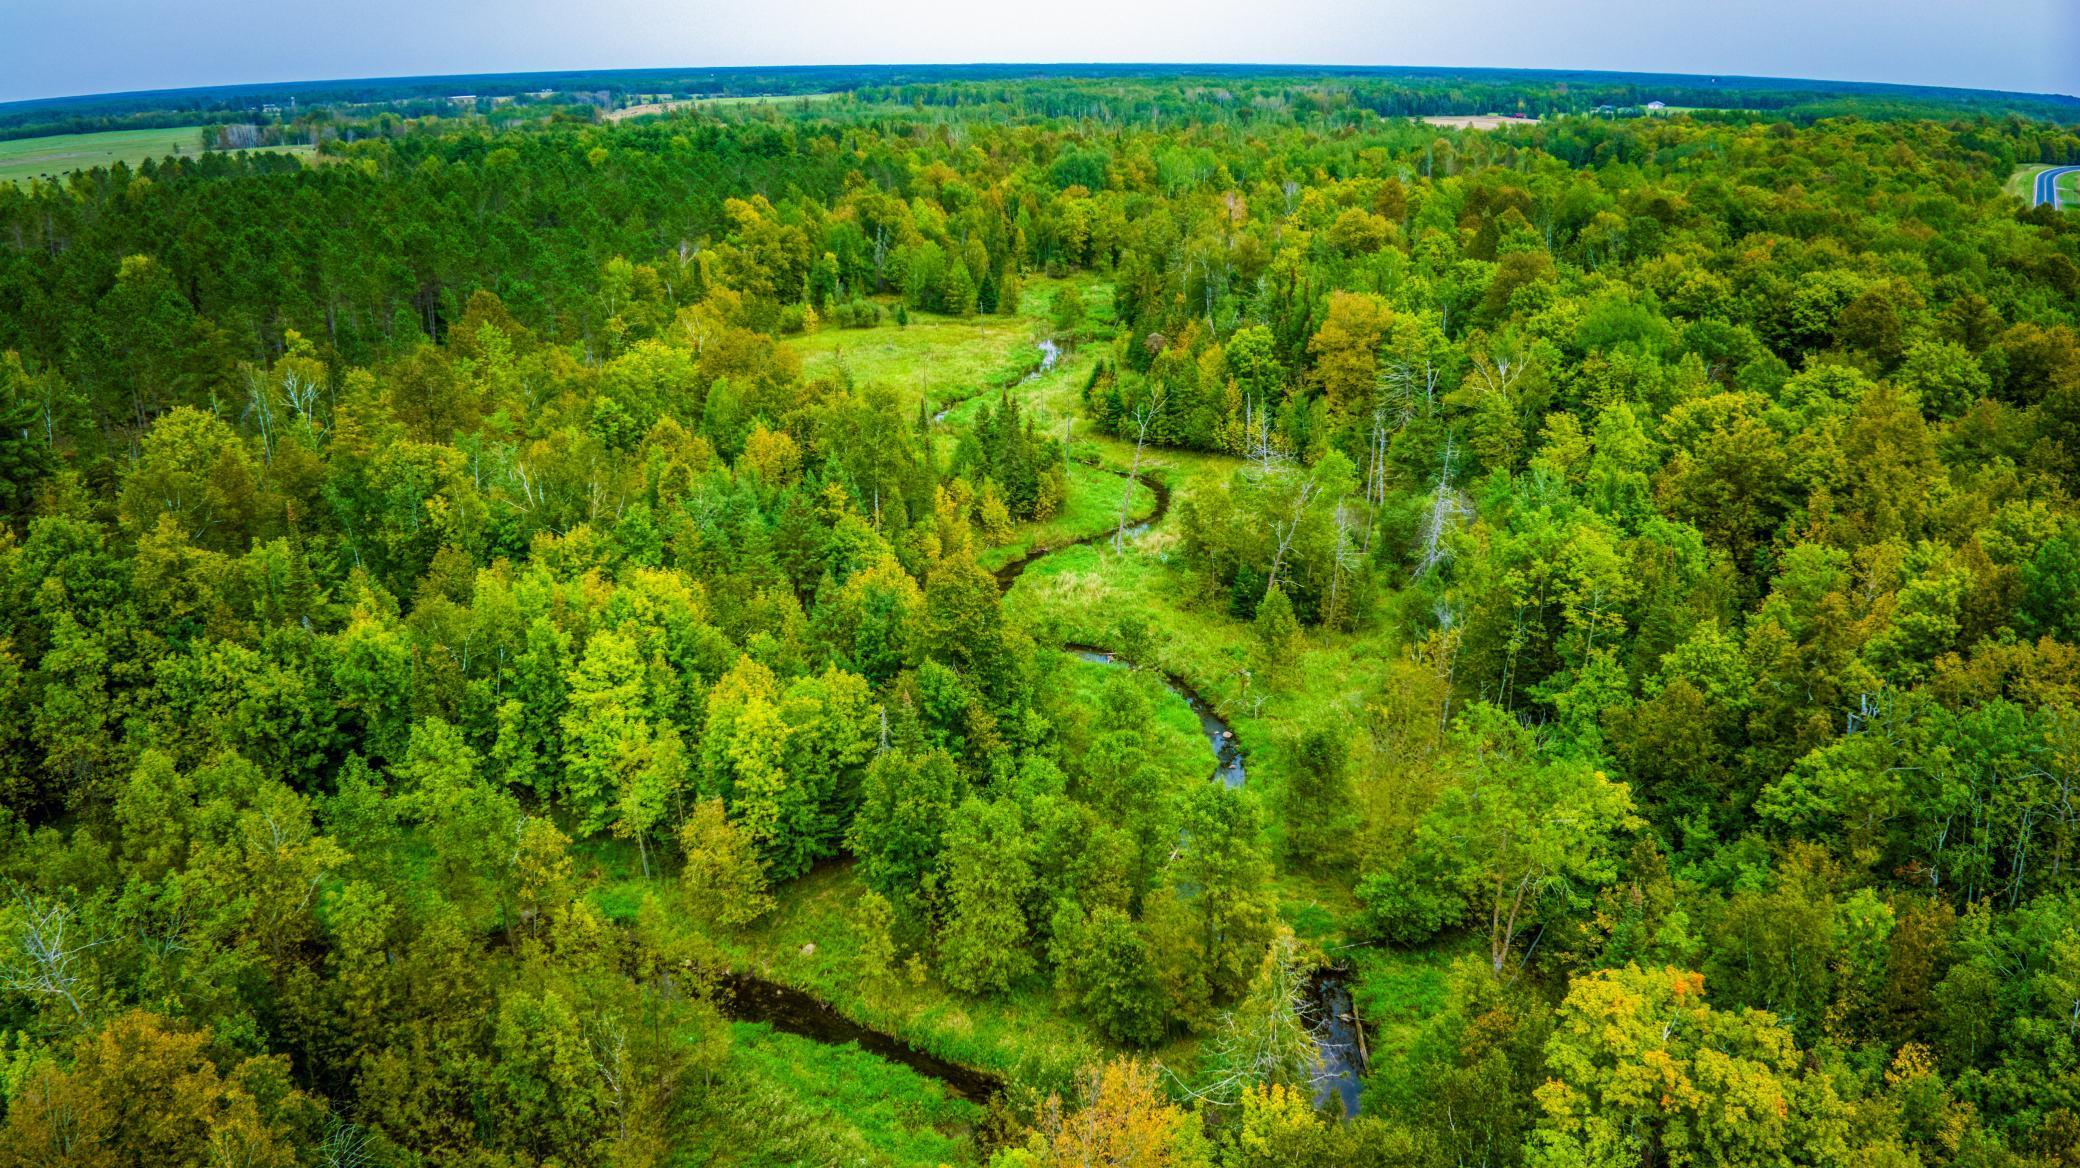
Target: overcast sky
[57,47]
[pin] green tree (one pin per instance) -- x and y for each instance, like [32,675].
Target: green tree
[1315,804]
[1103,960]
[724,882]
[1643,1069]
[620,767]
[983,946]
[469,822]
[1210,922]
[905,803]
[1515,841]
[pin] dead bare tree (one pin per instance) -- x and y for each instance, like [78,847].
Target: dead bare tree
[1346,557]
[1412,382]
[1445,507]
[48,952]
[1145,415]
[1289,526]
[300,390]
[1266,1038]
[260,408]
[1499,364]
[345,1145]
[1257,445]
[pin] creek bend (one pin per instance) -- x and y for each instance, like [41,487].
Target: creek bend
[1329,1010]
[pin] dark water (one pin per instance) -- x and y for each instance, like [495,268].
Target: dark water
[1049,354]
[1334,1020]
[1009,573]
[748,998]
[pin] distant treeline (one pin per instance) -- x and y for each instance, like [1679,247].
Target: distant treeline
[1037,90]
[1418,93]
[409,95]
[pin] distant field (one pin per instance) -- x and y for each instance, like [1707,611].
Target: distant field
[28,158]
[1479,122]
[762,98]
[665,107]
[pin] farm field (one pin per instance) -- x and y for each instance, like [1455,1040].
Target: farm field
[1478,121]
[649,108]
[28,158]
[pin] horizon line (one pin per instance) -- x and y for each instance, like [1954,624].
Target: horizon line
[1181,67]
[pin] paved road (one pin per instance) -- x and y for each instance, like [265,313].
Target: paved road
[2047,186]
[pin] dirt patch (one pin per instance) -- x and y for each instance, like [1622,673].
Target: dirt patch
[1479,121]
[647,108]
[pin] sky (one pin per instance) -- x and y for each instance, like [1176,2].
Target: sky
[52,48]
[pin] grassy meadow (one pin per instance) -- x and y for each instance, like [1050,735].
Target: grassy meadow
[821,1104]
[22,159]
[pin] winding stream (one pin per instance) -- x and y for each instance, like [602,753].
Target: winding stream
[1049,354]
[1009,573]
[750,998]
[1331,1014]
[1339,1041]
[1329,1009]
[1227,752]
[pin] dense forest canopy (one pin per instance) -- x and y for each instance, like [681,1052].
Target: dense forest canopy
[490,609]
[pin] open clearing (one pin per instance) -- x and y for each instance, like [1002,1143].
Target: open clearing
[664,107]
[1479,121]
[29,158]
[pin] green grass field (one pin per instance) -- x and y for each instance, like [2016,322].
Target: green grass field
[941,359]
[1397,993]
[832,1105]
[1092,508]
[29,158]
[765,98]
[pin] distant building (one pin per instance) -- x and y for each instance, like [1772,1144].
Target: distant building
[1655,105]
